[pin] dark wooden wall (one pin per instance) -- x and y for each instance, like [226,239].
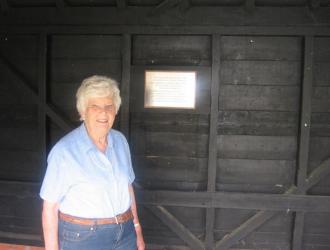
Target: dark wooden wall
[248,168]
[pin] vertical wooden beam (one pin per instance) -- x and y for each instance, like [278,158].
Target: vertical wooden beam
[125,83]
[42,94]
[212,158]
[304,136]
[305,112]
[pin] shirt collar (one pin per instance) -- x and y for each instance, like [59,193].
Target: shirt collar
[88,144]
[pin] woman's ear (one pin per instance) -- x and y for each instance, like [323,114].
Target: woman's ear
[82,116]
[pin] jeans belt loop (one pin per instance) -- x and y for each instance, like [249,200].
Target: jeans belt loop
[116,220]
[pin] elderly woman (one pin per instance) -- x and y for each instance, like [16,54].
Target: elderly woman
[89,201]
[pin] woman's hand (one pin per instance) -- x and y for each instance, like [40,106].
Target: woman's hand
[139,238]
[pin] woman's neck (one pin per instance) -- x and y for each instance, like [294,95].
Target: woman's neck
[101,141]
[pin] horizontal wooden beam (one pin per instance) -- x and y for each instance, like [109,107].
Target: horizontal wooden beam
[205,16]
[20,236]
[173,30]
[254,201]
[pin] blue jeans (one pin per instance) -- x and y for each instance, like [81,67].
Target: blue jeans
[98,237]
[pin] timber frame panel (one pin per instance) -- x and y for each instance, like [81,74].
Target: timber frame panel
[294,199]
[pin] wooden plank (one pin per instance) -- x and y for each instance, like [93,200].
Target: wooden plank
[184,5]
[60,4]
[42,94]
[250,5]
[261,72]
[20,165]
[227,220]
[22,82]
[170,122]
[28,68]
[4,6]
[212,147]
[320,125]
[258,123]
[314,4]
[169,50]
[319,151]
[322,75]
[193,29]
[175,225]
[125,84]
[321,102]
[91,46]
[317,223]
[231,200]
[303,147]
[18,116]
[19,139]
[23,46]
[121,4]
[170,144]
[20,247]
[210,15]
[321,49]
[277,173]
[72,71]
[158,168]
[275,48]
[266,98]
[20,236]
[244,229]
[257,147]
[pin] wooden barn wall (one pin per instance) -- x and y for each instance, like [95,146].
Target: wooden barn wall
[245,136]
[257,129]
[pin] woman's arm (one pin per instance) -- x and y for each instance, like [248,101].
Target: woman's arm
[137,226]
[50,225]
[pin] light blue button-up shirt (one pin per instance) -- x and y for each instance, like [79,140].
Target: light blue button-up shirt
[86,182]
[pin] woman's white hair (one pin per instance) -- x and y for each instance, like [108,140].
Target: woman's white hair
[97,86]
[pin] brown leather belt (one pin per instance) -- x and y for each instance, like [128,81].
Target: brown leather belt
[120,218]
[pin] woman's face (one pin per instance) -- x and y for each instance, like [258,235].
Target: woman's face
[99,116]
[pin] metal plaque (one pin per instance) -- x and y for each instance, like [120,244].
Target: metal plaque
[170,89]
